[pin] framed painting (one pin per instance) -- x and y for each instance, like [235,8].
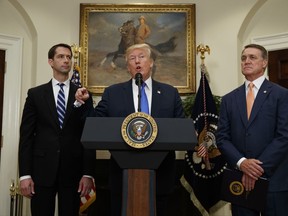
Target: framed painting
[106,28]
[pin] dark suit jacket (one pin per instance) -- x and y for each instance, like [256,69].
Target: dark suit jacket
[263,137]
[117,101]
[44,149]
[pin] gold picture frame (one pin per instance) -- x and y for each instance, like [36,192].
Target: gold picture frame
[172,35]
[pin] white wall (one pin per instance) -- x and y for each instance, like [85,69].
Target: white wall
[270,20]
[219,30]
[225,25]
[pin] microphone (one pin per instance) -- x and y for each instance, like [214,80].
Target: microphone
[139,81]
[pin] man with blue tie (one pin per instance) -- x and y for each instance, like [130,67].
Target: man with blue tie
[52,160]
[256,141]
[120,100]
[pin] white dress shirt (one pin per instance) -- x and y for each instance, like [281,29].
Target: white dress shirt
[148,91]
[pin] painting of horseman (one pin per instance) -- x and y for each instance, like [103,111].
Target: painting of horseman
[111,33]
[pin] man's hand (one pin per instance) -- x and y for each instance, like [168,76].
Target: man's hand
[85,186]
[252,168]
[27,187]
[82,95]
[248,182]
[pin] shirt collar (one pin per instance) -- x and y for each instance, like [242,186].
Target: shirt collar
[148,83]
[257,83]
[55,82]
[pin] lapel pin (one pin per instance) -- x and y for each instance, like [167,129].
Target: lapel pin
[159,92]
[265,92]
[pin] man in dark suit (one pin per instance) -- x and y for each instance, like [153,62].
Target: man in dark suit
[257,144]
[52,159]
[120,100]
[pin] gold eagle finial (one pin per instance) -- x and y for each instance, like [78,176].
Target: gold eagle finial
[202,49]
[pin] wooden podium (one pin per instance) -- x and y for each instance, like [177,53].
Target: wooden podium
[139,165]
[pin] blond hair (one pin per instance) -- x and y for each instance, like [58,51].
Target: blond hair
[143,46]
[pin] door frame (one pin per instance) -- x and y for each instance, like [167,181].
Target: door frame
[272,42]
[11,116]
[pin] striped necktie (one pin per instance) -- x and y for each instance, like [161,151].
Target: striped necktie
[144,100]
[61,104]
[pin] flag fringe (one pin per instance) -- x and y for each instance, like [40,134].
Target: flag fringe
[196,202]
[193,197]
[220,204]
[88,203]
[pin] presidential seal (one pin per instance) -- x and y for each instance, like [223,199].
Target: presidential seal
[206,160]
[139,130]
[236,188]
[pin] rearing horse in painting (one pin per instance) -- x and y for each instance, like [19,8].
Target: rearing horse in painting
[127,31]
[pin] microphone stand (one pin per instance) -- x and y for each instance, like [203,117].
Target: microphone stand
[139,81]
[139,98]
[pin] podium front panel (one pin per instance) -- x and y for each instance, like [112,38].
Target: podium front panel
[139,159]
[104,133]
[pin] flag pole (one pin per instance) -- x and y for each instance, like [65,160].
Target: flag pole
[204,164]
[203,148]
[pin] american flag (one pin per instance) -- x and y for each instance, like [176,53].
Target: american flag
[86,201]
[76,76]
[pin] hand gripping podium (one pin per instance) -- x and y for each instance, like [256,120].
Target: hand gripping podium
[139,165]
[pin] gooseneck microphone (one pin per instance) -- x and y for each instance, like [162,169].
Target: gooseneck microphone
[139,81]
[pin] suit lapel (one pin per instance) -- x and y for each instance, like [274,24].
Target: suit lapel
[128,97]
[49,96]
[262,94]
[156,98]
[70,102]
[240,98]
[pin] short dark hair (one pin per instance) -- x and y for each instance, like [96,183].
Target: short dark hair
[51,52]
[261,48]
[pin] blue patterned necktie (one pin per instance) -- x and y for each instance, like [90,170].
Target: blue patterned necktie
[61,104]
[144,100]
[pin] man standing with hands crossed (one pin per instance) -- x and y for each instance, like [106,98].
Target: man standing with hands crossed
[256,141]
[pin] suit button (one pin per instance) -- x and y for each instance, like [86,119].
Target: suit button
[58,151]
